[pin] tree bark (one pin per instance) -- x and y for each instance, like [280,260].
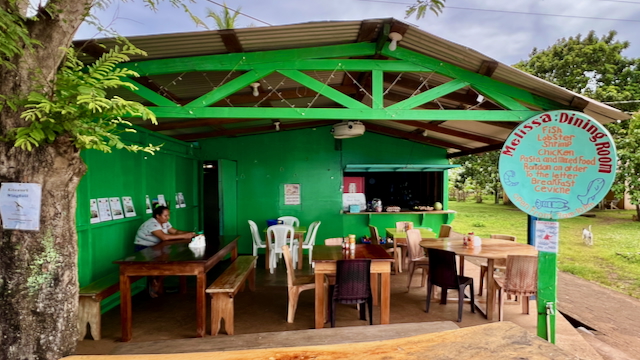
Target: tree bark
[38,269]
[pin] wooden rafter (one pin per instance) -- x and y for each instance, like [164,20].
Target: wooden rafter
[447,131]
[502,124]
[174,125]
[412,136]
[254,130]
[475,151]
[230,40]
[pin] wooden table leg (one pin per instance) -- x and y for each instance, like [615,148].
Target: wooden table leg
[319,301]
[299,237]
[125,306]
[201,303]
[491,291]
[375,288]
[461,272]
[385,298]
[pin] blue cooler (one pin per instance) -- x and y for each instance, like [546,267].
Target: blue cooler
[274,222]
[354,208]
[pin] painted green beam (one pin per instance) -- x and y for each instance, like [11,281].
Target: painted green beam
[245,61]
[377,89]
[340,64]
[456,72]
[429,95]
[340,114]
[227,89]
[148,94]
[323,89]
[499,98]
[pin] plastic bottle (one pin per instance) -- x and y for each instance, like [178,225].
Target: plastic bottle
[470,237]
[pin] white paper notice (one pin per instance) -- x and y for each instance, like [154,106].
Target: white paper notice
[547,236]
[129,210]
[20,206]
[116,208]
[103,209]
[148,209]
[161,200]
[181,200]
[177,201]
[292,194]
[93,207]
[354,199]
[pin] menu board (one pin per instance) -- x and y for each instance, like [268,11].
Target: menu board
[116,208]
[129,209]
[103,209]
[558,164]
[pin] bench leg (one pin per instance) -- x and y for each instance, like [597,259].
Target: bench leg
[252,279]
[89,312]
[221,308]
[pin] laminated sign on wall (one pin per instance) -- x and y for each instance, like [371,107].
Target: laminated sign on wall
[20,206]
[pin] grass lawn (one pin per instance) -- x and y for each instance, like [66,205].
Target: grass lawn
[613,260]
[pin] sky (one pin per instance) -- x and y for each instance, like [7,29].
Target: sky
[506,30]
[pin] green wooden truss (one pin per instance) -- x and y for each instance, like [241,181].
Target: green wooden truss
[517,104]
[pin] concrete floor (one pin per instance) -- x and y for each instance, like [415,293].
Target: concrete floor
[172,315]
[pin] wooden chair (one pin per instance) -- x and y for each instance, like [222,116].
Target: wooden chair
[403,225]
[309,241]
[416,256]
[334,241]
[296,285]
[498,263]
[445,230]
[375,239]
[520,279]
[443,273]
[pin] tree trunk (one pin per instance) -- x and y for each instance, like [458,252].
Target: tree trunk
[38,269]
[637,210]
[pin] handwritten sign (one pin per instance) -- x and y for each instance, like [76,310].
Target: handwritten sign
[547,236]
[558,164]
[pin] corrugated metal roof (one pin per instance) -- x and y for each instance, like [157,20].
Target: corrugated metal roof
[464,134]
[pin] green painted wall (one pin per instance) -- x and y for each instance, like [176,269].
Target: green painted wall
[173,169]
[311,158]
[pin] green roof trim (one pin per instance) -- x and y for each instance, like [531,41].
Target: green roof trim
[397,168]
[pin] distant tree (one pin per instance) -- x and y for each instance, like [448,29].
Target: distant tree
[225,19]
[480,171]
[591,66]
[627,138]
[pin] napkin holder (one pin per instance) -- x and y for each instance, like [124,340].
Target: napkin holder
[198,242]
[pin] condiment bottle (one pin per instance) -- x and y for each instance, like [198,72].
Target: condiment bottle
[470,240]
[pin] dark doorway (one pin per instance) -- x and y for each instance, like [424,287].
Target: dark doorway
[210,199]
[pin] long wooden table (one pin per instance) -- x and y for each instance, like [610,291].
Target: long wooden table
[173,258]
[325,258]
[298,234]
[491,249]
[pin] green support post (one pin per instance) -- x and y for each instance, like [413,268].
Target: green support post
[547,294]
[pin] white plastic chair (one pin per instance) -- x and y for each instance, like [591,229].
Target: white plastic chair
[257,240]
[277,237]
[290,220]
[309,240]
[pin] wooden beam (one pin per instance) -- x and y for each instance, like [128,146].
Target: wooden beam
[502,124]
[452,132]
[193,124]
[488,67]
[411,136]
[254,130]
[475,151]
[579,103]
[230,40]
[368,30]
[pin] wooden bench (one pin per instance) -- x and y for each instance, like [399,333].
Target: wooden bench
[90,297]
[225,287]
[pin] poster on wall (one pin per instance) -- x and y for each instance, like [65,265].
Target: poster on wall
[129,210]
[116,208]
[103,209]
[20,206]
[148,209]
[177,201]
[93,208]
[181,200]
[547,236]
[292,194]
[161,200]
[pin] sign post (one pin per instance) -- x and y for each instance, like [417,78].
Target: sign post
[556,165]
